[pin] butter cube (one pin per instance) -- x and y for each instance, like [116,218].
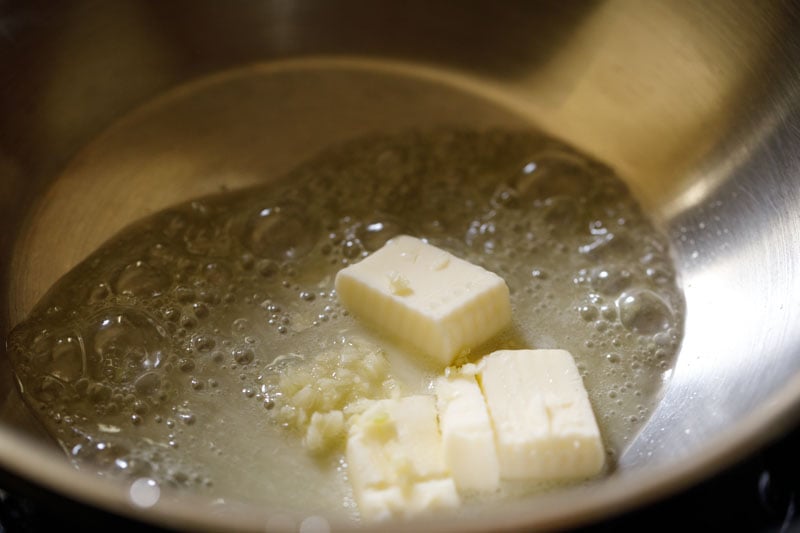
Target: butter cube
[467,435]
[426,297]
[395,460]
[377,505]
[543,421]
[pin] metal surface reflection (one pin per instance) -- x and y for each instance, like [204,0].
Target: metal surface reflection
[697,104]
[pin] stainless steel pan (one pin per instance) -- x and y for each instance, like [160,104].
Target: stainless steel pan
[696,104]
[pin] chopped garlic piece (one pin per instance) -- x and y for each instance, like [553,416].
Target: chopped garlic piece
[315,396]
[325,431]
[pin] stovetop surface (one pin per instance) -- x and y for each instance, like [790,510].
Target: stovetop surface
[757,494]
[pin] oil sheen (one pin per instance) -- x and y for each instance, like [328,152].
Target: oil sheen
[158,356]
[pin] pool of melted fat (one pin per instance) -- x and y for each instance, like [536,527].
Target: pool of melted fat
[157,356]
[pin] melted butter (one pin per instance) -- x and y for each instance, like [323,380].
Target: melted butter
[157,356]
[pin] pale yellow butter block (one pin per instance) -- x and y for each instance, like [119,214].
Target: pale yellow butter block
[467,435]
[395,460]
[544,424]
[426,297]
[377,505]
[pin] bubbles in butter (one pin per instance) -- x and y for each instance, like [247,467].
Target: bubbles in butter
[155,359]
